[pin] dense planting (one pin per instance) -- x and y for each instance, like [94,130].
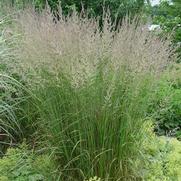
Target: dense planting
[83,95]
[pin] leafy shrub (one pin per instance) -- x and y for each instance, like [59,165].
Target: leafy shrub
[166,106]
[168,16]
[95,8]
[23,164]
[162,157]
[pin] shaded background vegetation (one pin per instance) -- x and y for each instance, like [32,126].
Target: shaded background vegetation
[118,8]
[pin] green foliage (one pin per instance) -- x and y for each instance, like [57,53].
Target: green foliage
[162,157]
[3,48]
[94,7]
[90,126]
[21,164]
[94,124]
[15,122]
[166,108]
[94,179]
[168,16]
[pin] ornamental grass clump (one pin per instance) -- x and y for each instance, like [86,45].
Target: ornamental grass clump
[76,45]
[89,88]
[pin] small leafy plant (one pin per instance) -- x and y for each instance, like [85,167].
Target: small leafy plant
[162,157]
[21,164]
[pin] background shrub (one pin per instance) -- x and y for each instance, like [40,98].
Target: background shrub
[168,15]
[94,8]
[166,106]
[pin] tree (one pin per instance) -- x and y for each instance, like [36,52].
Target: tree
[168,16]
[118,8]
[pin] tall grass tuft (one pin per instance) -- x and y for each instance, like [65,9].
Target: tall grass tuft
[76,46]
[90,89]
